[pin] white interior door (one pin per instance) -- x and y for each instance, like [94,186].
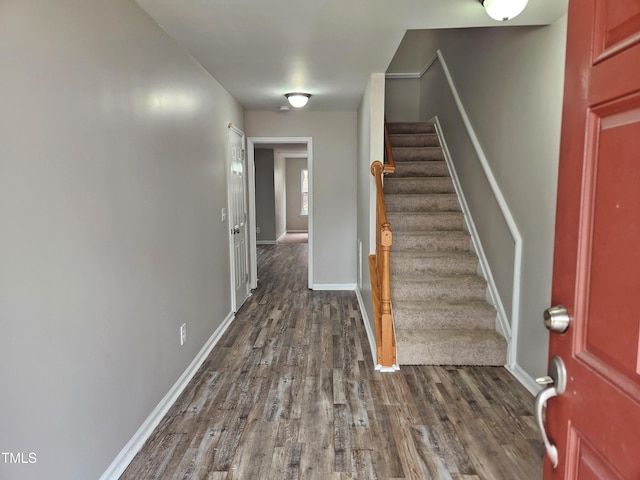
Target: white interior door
[236,187]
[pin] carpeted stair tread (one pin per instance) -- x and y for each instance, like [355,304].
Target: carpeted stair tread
[432,168]
[456,288]
[424,221]
[434,240]
[414,140]
[413,154]
[451,347]
[430,202]
[443,315]
[418,185]
[434,263]
[411,127]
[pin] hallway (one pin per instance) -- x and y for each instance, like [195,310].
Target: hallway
[290,392]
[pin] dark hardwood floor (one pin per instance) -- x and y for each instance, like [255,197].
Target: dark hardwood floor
[290,392]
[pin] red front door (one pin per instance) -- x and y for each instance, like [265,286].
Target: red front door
[595,423]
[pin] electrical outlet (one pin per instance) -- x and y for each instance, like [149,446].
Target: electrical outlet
[257,229]
[223,214]
[183,333]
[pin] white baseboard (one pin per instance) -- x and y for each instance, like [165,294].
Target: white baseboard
[393,368]
[265,242]
[524,378]
[367,327]
[334,286]
[133,446]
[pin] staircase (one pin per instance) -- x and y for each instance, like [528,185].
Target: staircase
[440,311]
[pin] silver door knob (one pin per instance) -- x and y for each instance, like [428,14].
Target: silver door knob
[557,383]
[556,319]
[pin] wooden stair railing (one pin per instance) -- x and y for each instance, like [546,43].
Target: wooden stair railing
[379,270]
[380,264]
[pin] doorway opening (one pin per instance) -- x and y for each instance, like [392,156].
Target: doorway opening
[297,153]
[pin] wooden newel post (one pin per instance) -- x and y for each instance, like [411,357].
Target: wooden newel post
[388,350]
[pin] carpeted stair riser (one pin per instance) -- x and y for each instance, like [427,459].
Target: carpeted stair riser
[421,169]
[417,154]
[414,140]
[414,315]
[434,263]
[440,202]
[421,221]
[418,185]
[411,127]
[451,347]
[456,288]
[433,241]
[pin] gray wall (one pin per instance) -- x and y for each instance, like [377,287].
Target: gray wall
[510,81]
[112,181]
[402,99]
[295,221]
[265,195]
[370,148]
[334,178]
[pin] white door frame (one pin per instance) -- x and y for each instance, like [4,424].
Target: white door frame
[252,142]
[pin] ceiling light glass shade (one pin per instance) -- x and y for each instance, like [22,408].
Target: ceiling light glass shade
[504,9]
[298,100]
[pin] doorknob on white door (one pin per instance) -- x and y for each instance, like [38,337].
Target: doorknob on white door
[557,381]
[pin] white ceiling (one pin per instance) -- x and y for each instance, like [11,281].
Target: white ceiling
[261,49]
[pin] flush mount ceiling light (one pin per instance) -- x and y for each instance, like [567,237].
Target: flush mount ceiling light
[297,99]
[502,10]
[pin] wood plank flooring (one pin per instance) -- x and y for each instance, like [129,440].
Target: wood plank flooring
[290,392]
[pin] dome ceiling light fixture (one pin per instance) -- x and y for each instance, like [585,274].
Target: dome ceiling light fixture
[298,99]
[503,10]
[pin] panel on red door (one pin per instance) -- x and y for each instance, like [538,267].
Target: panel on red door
[610,316]
[618,24]
[589,463]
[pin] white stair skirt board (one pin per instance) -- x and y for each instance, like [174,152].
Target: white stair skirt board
[502,323]
[133,446]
